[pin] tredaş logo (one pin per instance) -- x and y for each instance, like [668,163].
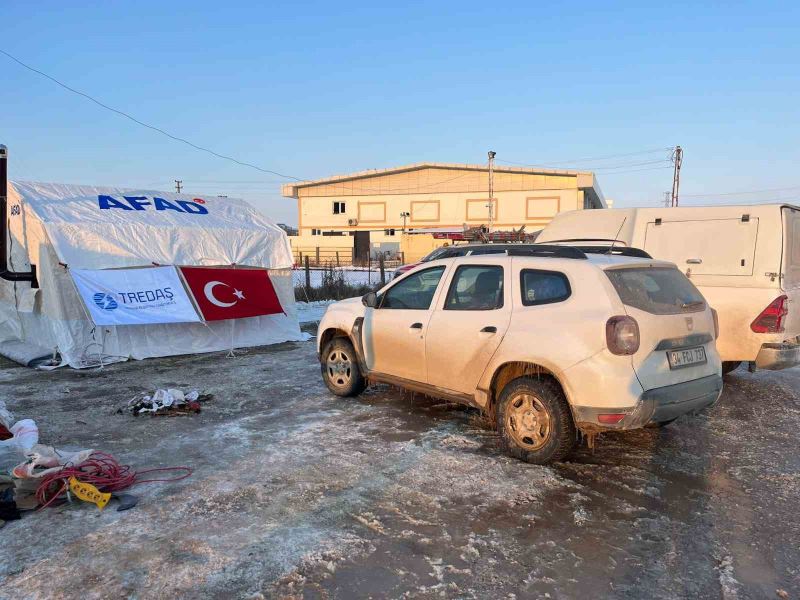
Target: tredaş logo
[141,299]
[191,207]
[105,301]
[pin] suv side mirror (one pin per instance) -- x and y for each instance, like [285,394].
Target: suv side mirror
[370,300]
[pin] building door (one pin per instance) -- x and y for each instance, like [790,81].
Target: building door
[361,248]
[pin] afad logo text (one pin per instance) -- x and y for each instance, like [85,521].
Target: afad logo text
[192,207]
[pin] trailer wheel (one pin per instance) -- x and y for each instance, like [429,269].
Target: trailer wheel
[730,365]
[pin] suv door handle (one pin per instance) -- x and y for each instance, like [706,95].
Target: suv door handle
[489,329]
[416,326]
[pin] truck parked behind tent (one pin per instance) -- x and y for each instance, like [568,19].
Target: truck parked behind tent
[744,259]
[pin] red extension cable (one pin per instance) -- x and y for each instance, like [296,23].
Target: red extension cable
[102,471]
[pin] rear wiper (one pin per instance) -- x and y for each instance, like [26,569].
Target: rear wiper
[695,304]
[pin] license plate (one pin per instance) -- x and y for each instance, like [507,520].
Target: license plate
[687,357]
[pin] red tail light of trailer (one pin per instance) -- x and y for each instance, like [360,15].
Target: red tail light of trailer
[771,318]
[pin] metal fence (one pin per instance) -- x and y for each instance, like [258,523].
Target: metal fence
[320,256]
[336,283]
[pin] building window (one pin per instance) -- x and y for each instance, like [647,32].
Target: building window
[316,232]
[388,231]
[332,233]
[339,208]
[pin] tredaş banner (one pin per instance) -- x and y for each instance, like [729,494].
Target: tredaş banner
[135,296]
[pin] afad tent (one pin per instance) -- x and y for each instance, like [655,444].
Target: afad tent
[118,274]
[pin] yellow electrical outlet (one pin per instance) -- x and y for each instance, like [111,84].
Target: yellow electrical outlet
[88,493]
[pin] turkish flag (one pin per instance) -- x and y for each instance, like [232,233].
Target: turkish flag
[231,293]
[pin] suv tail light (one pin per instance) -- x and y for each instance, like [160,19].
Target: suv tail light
[716,323]
[622,335]
[771,318]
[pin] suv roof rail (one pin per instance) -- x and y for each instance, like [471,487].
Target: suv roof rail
[616,250]
[546,251]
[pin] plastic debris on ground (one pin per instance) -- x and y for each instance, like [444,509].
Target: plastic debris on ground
[24,436]
[167,402]
[49,477]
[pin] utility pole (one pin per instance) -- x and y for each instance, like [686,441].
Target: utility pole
[492,154]
[667,199]
[178,185]
[677,160]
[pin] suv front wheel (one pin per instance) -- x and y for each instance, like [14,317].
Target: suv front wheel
[534,421]
[340,370]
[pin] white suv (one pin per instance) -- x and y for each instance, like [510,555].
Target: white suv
[548,340]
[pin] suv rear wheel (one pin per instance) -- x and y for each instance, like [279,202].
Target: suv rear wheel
[534,421]
[340,368]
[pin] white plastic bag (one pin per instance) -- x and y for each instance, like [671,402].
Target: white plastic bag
[6,416]
[26,435]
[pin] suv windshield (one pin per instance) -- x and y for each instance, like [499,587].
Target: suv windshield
[657,290]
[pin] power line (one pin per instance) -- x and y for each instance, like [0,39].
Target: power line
[786,189]
[662,161]
[666,166]
[143,124]
[760,201]
[577,160]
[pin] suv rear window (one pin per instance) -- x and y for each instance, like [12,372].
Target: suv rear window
[657,290]
[543,287]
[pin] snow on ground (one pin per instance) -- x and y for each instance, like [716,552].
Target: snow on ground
[297,493]
[310,312]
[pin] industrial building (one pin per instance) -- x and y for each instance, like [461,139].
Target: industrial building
[369,210]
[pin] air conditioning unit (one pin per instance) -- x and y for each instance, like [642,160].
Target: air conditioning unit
[352,222]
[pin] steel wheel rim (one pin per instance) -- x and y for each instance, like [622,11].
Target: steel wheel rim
[339,368]
[528,421]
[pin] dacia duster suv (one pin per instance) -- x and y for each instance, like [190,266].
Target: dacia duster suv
[548,340]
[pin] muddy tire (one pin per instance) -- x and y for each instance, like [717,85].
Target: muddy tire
[730,365]
[534,421]
[340,372]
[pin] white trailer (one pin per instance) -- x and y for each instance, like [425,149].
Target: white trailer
[744,259]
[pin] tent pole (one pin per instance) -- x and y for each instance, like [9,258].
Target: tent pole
[5,272]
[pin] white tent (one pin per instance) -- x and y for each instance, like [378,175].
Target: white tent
[62,227]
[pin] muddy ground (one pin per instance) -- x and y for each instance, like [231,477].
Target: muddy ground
[298,493]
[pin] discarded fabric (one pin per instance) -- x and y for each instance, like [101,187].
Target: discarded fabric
[43,460]
[167,402]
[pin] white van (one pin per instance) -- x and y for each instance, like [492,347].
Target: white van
[744,259]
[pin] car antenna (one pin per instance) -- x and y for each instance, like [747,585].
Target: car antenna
[614,241]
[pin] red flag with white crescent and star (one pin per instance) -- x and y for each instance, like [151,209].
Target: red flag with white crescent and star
[231,293]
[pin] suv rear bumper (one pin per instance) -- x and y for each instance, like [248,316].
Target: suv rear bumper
[781,355]
[657,405]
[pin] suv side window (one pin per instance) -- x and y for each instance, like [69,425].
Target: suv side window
[543,287]
[414,292]
[476,287]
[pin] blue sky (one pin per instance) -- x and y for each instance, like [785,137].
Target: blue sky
[315,89]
